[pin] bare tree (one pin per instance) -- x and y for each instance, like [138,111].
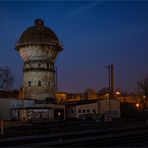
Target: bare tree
[6,78]
[143,91]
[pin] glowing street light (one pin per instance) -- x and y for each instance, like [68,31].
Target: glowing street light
[118,93]
[137,105]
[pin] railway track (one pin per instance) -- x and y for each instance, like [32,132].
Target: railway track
[113,137]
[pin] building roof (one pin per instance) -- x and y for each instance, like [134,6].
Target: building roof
[38,34]
[81,102]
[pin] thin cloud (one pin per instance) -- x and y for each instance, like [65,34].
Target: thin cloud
[79,10]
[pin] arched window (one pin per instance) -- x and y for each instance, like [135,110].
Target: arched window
[29,83]
[49,83]
[39,83]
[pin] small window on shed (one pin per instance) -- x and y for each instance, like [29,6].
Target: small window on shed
[39,83]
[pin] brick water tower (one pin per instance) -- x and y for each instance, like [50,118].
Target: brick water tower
[39,47]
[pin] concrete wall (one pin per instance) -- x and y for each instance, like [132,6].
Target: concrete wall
[36,52]
[7,104]
[5,112]
[113,108]
[39,66]
[86,109]
[47,88]
[53,108]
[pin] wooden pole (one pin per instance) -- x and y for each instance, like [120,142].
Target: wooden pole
[112,81]
[109,85]
[56,79]
[109,71]
[2,127]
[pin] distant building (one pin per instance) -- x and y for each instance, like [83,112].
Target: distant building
[70,97]
[74,97]
[90,94]
[61,97]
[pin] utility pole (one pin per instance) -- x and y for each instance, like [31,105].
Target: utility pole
[56,77]
[109,87]
[110,83]
[2,127]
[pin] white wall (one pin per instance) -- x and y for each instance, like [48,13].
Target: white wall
[114,108]
[101,106]
[83,109]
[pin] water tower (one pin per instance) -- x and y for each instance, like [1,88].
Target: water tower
[39,47]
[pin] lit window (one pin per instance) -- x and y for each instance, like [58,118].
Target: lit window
[29,83]
[39,83]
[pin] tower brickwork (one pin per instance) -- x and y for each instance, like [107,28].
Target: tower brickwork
[39,47]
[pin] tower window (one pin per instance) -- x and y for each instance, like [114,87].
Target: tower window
[39,83]
[49,83]
[29,83]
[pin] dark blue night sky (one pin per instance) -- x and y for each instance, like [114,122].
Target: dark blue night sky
[94,34]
